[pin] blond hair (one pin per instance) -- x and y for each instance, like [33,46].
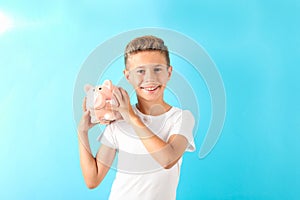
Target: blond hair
[146,43]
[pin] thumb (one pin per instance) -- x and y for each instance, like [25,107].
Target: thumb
[86,113]
[84,104]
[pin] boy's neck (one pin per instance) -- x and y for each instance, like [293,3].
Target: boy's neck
[151,108]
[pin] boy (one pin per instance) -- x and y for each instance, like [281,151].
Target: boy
[151,138]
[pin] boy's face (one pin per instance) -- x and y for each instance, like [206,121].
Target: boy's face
[148,73]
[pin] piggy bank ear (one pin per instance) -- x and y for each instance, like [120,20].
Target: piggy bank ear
[108,84]
[87,87]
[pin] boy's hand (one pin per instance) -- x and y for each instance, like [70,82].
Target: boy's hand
[85,122]
[122,98]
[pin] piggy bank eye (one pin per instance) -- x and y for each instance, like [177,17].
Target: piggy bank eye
[100,88]
[93,90]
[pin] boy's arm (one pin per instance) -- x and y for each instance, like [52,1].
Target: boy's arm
[94,169]
[165,153]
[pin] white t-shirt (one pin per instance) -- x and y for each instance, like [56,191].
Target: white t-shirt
[139,176]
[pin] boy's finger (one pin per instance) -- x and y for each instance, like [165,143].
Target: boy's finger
[124,94]
[116,92]
[84,104]
[115,99]
[87,112]
[121,95]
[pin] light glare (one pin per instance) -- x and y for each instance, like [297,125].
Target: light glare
[6,23]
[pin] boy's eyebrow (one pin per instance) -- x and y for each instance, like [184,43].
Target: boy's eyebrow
[141,66]
[159,65]
[152,65]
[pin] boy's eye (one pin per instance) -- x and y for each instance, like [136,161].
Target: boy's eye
[140,71]
[157,69]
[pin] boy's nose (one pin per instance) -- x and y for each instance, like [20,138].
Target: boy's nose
[149,75]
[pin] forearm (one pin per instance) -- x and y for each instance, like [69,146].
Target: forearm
[163,152]
[87,162]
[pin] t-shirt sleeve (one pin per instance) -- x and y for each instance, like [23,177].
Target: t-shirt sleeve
[107,137]
[184,125]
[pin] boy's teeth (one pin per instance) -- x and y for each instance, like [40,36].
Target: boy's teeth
[150,88]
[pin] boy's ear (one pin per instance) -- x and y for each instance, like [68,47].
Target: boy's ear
[126,74]
[170,69]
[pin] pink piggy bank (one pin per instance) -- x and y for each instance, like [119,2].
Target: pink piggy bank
[99,102]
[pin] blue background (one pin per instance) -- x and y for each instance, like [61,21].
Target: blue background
[255,45]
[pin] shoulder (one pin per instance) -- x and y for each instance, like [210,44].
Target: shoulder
[177,113]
